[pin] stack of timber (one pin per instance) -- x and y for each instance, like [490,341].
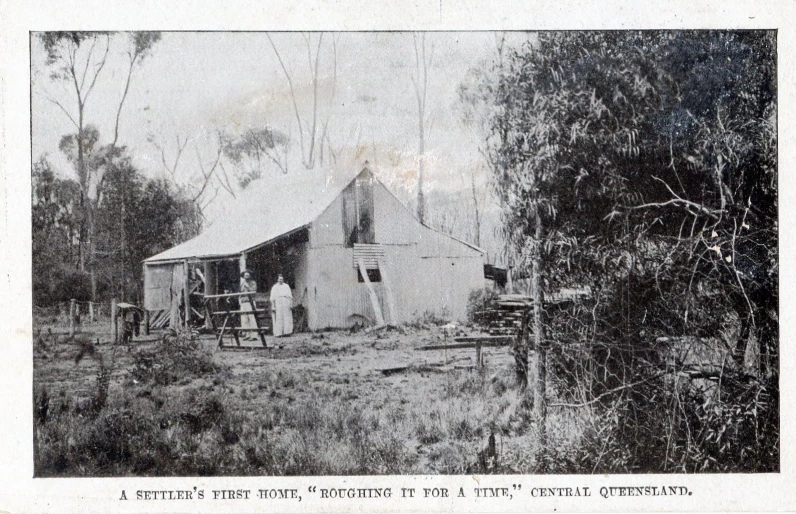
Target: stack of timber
[504,316]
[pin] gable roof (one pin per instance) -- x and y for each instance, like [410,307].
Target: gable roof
[265,211]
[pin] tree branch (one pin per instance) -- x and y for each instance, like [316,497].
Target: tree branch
[677,200]
[100,66]
[225,183]
[314,98]
[56,102]
[292,95]
[88,61]
[606,393]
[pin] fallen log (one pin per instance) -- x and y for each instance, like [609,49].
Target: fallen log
[481,342]
[490,338]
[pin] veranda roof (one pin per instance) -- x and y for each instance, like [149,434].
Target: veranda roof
[266,210]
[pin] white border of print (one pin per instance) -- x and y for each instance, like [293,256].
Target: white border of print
[19,492]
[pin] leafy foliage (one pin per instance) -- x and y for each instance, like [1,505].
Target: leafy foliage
[651,160]
[254,150]
[162,217]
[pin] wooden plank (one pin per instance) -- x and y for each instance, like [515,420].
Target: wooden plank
[161,319]
[220,340]
[374,300]
[387,281]
[209,324]
[114,322]
[486,339]
[243,348]
[210,288]
[227,295]
[186,294]
[458,346]
[218,313]
[420,368]
[72,306]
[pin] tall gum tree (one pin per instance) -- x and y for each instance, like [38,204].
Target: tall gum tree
[78,59]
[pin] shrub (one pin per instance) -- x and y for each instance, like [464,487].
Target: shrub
[61,285]
[430,318]
[175,357]
[478,301]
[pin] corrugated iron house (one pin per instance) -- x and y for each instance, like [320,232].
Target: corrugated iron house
[318,238]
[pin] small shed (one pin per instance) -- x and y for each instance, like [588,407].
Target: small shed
[350,251]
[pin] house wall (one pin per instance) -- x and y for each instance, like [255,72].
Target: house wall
[158,286]
[163,288]
[427,271]
[302,275]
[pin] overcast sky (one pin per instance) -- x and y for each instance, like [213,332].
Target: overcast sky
[194,84]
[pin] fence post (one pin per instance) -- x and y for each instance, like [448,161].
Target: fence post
[72,305]
[91,312]
[114,327]
[146,322]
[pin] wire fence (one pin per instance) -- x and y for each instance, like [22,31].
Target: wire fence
[75,312]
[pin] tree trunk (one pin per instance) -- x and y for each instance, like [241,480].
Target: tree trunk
[123,252]
[93,271]
[421,201]
[114,322]
[92,249]
[520,350]
[540,387]
[82,177]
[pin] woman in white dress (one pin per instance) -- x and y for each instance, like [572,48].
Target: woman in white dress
[282,308]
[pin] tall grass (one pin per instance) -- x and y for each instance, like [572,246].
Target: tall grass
[152,426]
[176,411]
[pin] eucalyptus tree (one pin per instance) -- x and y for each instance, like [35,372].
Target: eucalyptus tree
[78,60]
[643,166]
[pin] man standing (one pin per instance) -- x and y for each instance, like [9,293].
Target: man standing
[282,307]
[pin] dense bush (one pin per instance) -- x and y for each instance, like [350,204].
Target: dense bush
[60,284]
[645,170]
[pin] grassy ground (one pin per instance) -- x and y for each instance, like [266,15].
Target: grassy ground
[315,404]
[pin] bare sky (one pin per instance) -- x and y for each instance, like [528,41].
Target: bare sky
[194,84]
